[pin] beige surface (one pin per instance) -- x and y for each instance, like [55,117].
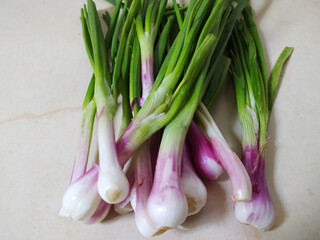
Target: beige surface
[44,72]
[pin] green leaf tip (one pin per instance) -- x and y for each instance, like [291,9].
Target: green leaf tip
[275,74]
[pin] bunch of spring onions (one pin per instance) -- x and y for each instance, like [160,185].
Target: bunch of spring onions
[255,95]
[165,65]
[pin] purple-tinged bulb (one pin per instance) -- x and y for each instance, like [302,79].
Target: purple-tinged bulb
[259,212]
[194,189]
[81,199]
[113,185]
[143,184]
[204,157]
[167,204]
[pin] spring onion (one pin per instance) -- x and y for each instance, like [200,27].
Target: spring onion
[112,185]
[167,203]
[143,186]
[165,66]
[147,35]
[255,97]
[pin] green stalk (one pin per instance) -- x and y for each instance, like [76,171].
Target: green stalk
[175,132]
[162,44]
[255,35]
[171,79]
[158,18]
[169,82]
[165,99]
[143,6]
[247,82]
[213,22]
[125,81]
[249,137]
[177,12]
[115,37]
[127,53]
[179,125]
[248,56]
[239,47]
[194,12]
[257,82]
[135,76]
[102,91]
[180,38]
[163,67]
[185,85]
[134,7]
[153,116]
[113,22]
[199,59]
[217,76]
[151,5]
[220,64]
[86,36]
[227,31]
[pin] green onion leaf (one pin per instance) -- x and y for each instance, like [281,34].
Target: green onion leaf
[90,93]
[275,74]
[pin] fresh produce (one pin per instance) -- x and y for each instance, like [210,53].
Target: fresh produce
[166,65]
[255,95]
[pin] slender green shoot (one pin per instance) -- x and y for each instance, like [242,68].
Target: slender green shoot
[217,76]
[159,52]
[89,93]
[135,76]
[134,7]
[115,37]
[177,12]
[275,74]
